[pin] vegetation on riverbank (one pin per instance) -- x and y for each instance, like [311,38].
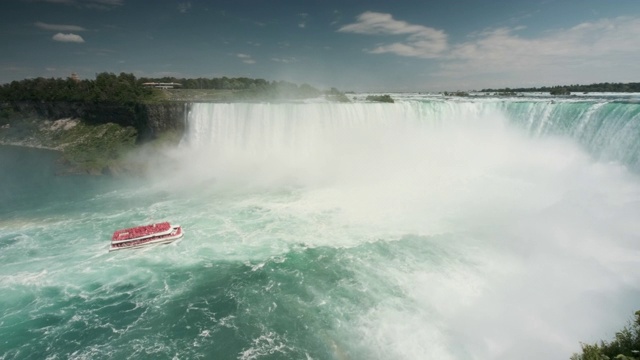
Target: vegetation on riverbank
[625,346]
[567,89]
[86,148]
[127,89]
[95,123]
[456,93]
[380,98]
[107,87]
[113,114]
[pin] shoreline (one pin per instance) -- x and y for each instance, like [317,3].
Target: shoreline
[61,166]
[29,146]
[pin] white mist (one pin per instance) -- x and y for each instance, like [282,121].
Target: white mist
[539,244]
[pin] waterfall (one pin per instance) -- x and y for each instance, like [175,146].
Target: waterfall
[608,130]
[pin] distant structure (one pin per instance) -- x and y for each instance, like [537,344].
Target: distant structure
[157,85]
[74,77]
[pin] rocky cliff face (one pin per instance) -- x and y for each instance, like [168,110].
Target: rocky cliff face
[46,110]
[149,119]
[94,138]
[157,118]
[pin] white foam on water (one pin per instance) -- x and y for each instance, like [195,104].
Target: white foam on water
[466,237]
[543,237]
[537,280]
[267,344]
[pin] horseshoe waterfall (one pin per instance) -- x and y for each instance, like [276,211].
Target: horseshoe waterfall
[430,228]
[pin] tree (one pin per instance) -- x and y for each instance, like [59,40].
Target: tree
[625,346]
[560,91]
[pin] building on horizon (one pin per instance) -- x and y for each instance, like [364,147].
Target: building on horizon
[158,85]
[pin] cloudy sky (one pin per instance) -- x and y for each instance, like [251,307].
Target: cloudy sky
[400,45]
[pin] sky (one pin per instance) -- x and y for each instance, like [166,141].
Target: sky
[353,45]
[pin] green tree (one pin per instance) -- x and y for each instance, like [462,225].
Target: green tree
[625,346]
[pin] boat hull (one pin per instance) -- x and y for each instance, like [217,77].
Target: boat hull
[149,241]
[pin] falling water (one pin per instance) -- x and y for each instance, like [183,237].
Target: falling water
[428,228]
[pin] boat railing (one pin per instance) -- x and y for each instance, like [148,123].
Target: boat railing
[140,231]
[174,232]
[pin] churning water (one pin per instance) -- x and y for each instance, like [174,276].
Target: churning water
[424,229]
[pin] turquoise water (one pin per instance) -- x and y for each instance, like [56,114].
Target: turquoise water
[426,229]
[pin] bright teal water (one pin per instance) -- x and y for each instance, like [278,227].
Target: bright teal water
[443,230]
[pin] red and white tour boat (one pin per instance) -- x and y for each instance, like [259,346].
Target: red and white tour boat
[136,237]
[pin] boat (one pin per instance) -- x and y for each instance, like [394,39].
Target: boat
[146,235]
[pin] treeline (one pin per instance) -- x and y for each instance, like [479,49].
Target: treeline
[246,85]
[106,87]
[223,83]
[564,89]
[380,98]
[625,346]
[126,88]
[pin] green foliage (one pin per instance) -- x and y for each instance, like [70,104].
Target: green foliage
[246,87]
[112,112]
[97,147]
[286,90]
[17,129]
[107,87]
[6,112]
[336,95]
[455,93]
[233,89]
[506,93]
[600,87]
[85,147]
[380,98]
[625,346]
[223,83]
[560,91]
[126,89]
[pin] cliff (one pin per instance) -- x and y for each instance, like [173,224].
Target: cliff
[94,138]
[149,119]
[157,118]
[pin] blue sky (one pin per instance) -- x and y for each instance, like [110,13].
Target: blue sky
[400,45]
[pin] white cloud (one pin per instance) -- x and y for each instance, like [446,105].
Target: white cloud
[420,41]
[303,22]
[606,43]
[371,23]
[59,27]
[600,50]
[184,7]
[68,38]
[285,60]
[246,58]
